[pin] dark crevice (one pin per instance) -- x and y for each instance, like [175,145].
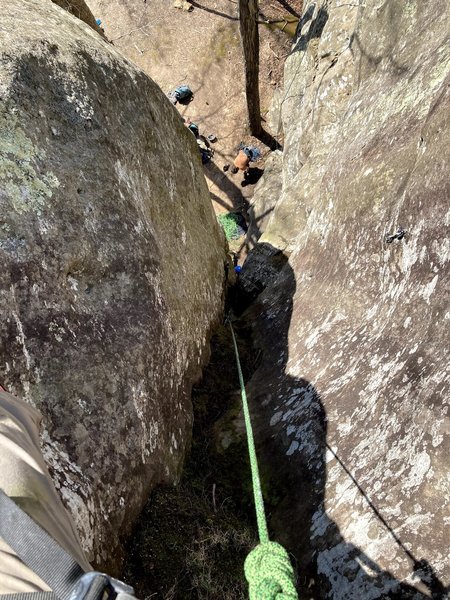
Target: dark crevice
[191,540]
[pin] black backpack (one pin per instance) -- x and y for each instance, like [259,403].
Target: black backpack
[183,94]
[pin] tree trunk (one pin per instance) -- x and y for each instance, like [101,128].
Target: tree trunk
[248,13]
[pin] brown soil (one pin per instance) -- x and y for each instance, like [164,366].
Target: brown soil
[202,48]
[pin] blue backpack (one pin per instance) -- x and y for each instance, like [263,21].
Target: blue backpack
[183,94]
[253,153]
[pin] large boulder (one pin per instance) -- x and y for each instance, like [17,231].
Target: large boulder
[111,270]
[81,10]
[350,398]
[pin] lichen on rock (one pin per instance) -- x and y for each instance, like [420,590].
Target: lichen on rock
[351,394]
[112,266]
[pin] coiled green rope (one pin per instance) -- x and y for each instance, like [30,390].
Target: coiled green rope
[267,568]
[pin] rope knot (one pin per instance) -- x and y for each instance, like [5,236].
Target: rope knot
[269,573]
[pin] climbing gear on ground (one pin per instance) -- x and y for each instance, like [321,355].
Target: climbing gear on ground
[206,152]
[233,224]
[183,94]
[43,555]
[212,138]
[267,568]
[194,128]
[206,157]
[398,235]
[253,153]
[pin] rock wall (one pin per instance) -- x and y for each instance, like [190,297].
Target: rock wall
[111,270]
[80,9]
[351,397]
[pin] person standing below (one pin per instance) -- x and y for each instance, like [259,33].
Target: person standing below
[242,161]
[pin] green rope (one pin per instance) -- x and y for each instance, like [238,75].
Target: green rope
[269,573]
[267,568]
[257,493]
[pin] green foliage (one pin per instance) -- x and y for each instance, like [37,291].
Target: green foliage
[230,224]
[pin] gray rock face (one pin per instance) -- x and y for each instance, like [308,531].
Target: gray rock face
[80,9]
[265,198]
[111,266]
[351,397]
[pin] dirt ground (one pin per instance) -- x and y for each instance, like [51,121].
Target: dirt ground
[201,48]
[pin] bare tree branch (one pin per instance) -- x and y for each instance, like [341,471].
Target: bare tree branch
[248,13]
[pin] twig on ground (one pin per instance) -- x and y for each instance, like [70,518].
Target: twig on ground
[130,32]
[214,497]
[273,52]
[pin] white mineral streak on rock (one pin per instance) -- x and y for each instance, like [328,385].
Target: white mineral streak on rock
[149,438]
[21,340]
[292,448]
[428,289]
[416,475]
[77,497]
[111,296]
[276,418]
[364,118]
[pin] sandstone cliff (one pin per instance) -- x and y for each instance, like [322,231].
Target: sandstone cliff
[351,396]
[111,265]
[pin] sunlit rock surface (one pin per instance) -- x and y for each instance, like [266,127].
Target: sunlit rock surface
[111,266]
[81,10]
[351,397]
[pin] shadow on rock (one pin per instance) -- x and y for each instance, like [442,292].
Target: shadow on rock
[315,29]
[290,426]
[252,176]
